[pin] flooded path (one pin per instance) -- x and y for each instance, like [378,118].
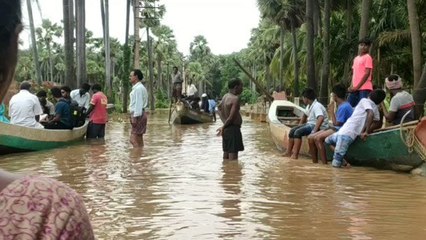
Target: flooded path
[177,187]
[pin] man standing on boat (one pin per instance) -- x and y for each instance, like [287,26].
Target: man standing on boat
[229,112]
[177,84]
[137,107]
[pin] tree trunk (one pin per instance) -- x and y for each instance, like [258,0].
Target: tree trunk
[81,41]
[317,18]
[349,19]
[160,75]
[68,9]
[151,72]
[49,51]
[34,43]
[136,33]
[365,11]
[416,40]
[296,59]
[125,81]
[326,51]
[310,45]
[281,75]
[419,94]
[107,46]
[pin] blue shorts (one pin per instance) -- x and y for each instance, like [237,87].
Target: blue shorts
[355,97]
[300,131]
[341,143]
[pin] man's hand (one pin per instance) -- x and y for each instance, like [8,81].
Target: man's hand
[351,89]
[364,136]
[219,131]
[331,107]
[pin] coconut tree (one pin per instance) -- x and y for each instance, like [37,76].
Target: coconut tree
[365,18]
[126,56]
[80,10]
[33,42]
[200,51]
[164,47]
[326,52]
[68,16]
[310,40]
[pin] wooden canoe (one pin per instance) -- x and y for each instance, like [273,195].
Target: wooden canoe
[14,138]
[182,114]
[397,148]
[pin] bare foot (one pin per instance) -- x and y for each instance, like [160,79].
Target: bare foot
[294,156]
[286,154]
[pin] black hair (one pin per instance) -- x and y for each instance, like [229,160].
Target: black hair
[56,92]
[25,85]
[10,17]
[174,67]
[393,77]
[138,73]
[96,87]
[339,90]
[234,82]
[377,96]
[367,41]
[66,89]
[41,93]
[309,93]
[85,87]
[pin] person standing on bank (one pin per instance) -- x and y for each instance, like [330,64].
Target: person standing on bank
[362,72]
[177,84]
[229,112]
[137,106]
[98,113]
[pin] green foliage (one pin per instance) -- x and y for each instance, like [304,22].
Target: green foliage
[248,96]
[161,100]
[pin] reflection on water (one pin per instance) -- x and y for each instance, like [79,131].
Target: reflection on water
[178,187]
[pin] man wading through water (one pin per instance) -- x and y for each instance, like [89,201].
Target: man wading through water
[229,112]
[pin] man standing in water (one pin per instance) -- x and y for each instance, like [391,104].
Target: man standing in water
[229,112]
[137,106]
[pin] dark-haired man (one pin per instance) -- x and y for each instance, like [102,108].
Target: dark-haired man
[25,108]
[362,122]
[98,113]
[137,107]
[229,112]
[82,96]
[177,84]
[63,117]
[362,72]
[46,105]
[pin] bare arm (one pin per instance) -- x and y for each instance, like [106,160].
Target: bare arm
[320,120]
[303,119]
[390,116]
[368,121]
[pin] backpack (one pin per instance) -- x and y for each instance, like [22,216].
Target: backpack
[77,115]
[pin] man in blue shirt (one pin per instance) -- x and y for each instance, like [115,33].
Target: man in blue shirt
[63,117]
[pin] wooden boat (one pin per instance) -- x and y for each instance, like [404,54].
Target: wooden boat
[182,114]
[400,148]
[14,138]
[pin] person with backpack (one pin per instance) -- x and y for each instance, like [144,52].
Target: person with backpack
[63,117]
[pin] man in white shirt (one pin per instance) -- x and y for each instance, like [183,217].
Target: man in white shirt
[24,107]
[191,90]
[361,123]
[82,96]
[137,106]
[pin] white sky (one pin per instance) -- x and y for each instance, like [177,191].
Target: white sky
[226,24]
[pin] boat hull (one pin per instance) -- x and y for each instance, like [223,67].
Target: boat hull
[383,150]
[15,138]
[183,115]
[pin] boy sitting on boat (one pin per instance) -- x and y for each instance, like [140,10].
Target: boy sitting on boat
[314,119]
[363,121]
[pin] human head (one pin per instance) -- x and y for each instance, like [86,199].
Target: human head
[65,91]
[308,95]
[96,88]
[204,95]
[393,82]
[84,88]
[235,86]
[339,91]
[25,85]
[41,94]
[377,96]
[364,45]
[10,27]
[135,76]
[56,92]
[175,69]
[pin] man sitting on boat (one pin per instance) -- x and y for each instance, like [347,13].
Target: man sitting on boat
[344,111]
[82,96]
[361,123]
[401,102]
[46,105]
[314,119]
[25,108]
[63,117]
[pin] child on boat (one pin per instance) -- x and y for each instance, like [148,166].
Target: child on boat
[314,119]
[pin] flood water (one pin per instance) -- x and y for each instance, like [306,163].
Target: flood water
[178,187]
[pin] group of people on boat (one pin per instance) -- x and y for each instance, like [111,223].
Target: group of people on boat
[65,110]
[359,115]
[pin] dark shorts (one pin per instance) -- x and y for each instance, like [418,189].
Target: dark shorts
[95,130]
[355,97]
[232,140]
[300,131]
[139,124]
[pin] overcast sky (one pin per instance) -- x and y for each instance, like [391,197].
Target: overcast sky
[226,24]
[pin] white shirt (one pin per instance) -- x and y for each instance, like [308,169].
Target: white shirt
[83,101]
[23,107]
[138,99]
[315,110]
[191,90]
[354,125]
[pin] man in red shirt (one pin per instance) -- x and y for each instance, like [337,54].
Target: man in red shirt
[98,113]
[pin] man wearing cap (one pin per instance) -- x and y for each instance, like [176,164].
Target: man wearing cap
[401,102]
[362,71]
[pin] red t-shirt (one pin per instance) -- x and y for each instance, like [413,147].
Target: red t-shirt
[361,63]
[99,115]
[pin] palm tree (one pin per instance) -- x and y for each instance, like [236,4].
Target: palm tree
[365,12]
[80,10]
[326,54]
[126,62]
[105,25]
[68,11]
[136,27]
[34,44]
[312,83]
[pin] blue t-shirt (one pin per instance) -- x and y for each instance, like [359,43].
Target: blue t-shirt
[212,105]
[63,109]
[344,111]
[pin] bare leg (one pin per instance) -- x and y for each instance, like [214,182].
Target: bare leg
[319,142]
[233,156]
[225,156]
[289,147]
[313,148]
[297,145]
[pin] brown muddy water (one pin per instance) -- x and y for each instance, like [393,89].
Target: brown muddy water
[178,187]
